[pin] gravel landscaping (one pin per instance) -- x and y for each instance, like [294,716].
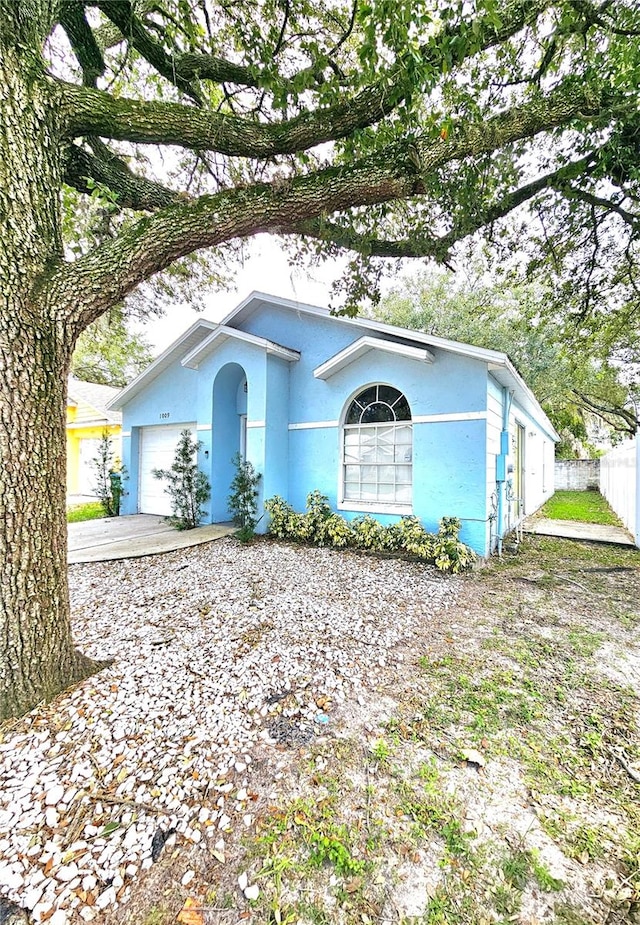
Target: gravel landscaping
[299,736]
[217,651]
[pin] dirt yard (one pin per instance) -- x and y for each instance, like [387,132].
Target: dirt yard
[478,762]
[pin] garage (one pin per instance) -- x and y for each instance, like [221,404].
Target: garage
[157,451]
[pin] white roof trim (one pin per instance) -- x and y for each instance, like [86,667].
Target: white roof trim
[496,360]
[256,299]
[361,347]
[154,369]
[223,333]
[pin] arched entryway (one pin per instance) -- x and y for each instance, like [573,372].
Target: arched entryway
[229,434]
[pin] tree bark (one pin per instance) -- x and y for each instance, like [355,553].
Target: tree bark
[37,658]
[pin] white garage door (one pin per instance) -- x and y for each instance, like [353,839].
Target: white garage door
[157,451]
[87,473]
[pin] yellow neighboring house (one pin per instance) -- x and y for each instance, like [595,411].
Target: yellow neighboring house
[87,419]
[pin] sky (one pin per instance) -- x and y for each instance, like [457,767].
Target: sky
[266,269]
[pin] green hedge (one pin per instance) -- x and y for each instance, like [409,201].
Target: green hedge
[320,526]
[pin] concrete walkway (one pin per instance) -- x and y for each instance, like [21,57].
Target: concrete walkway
[574,530]
[133,536]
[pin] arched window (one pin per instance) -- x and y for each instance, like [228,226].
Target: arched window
[377,448]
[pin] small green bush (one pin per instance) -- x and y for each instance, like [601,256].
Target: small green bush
[312,524]
[410,535]
[321,527]
[337,532]
[109,474]
[284,521]
[369,533]
[187,487]
[243,500]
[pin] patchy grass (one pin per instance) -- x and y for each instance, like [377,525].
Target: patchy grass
[91,510]
[585,506]
[491,779]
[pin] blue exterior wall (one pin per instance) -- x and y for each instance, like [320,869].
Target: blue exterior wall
[449,456]
[275,474]
[454,383]
[175,393]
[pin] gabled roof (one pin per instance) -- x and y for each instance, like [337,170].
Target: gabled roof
[223,334]
[498,363]
[256,300]
[364,345]
[190,348]
[187,342]
[92,401]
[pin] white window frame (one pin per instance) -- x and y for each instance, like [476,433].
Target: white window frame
[371,507]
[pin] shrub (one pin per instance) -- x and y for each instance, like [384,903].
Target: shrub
[321,527]
[188,487]
[284,521]
[409,534]
[336,531]
[369,533]
[243,500]
[313,523]
[450,555]
[109,475]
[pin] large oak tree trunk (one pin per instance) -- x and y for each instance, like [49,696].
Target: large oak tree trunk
[37,659]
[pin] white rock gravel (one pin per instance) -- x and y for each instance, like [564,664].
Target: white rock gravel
[206,642]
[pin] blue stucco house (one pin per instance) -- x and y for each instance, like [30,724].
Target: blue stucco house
[380,419]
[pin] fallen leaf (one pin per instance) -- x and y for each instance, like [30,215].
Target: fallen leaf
[353,885]
[191,913]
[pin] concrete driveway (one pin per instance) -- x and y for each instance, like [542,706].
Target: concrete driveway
[575,530]
[134,535]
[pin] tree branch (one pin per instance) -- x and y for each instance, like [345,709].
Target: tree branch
[121,14]
[573,192]
[134,192]
[605,412]
[187,66]
[93,113]
[83,42]
[111,271]
[437,247]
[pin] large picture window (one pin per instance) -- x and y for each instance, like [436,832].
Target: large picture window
[378,448]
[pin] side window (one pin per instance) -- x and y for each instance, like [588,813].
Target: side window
[377,443]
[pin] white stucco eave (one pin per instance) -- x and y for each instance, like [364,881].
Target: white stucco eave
[222,334]
[507,375]
[256,300]
[361,347]
[185,343]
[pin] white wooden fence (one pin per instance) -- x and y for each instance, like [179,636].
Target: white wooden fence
[620,484]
